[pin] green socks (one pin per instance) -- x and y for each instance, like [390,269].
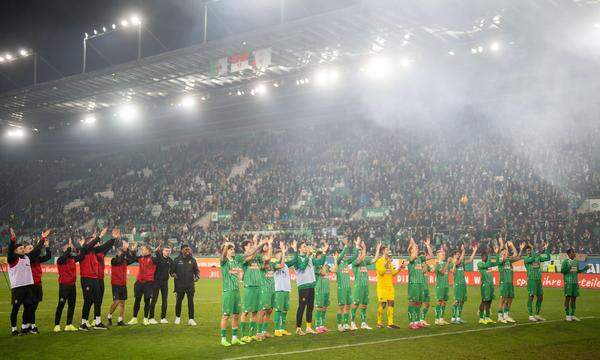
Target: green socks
[353,314]
[538,307]
[363,315]
[530,307]
[244,328]
[252,331]
[424,311]
[223,333]
[338,318]
[277,320]
[346,318]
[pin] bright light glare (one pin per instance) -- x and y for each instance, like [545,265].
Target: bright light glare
[378,67]
[23,52]
[495,46]
[405,62]
[95,32]
[124,23]
[451,53]
[188,102]
[326,77]
[8,56]
[2,59]
[496,19]
[104,29]
[114,26]
[597,25]
[15,133]
[128,113]
[260,89]
[89,120]
[135,20]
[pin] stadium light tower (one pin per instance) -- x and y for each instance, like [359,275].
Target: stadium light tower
[133,21]
[8,57]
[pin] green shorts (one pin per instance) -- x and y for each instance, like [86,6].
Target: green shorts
[361,295]
[487,292]
[415,292]
[343,295]
[534,288]
[322,299]
[231,303]
[572,290]
[251,299]
[267,299]
[426,296]
[442,293]
[507,290]
[460,292]
[282,301]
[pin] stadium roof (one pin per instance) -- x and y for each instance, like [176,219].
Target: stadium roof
[296,45]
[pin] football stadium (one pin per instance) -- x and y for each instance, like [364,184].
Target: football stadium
[244,179]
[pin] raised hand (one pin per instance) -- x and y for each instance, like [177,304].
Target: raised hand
[427,241]
[282,246]
[496,249]
[12,233]
[345,240]
[462,247]
[357,241]
[116,233]
[295,245]
[103,232]
[546,246]
[522,245]
[125,245]
[325,247]
[45,233]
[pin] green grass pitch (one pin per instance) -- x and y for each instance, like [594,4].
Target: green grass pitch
[553,339]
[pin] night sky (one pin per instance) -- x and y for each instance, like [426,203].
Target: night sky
[55,28]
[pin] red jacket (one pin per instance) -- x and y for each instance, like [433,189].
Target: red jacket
[67,271]
[36,266]
[88,267]
[146,269]
[100,257]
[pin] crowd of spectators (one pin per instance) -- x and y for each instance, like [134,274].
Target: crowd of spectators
[314,183]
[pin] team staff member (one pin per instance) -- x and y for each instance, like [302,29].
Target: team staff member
[161,283]
[21,281]
[186,273]
[67,293]
[143,284]
[100,251]
[36,271]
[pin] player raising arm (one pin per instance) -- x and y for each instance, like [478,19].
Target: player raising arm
[322,288]
[533,261]
[507,289]
[460,286]
[231,273]
[442,286]
[343,260]
[385,287]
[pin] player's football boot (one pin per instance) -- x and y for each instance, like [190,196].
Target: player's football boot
[325,329]
[533,319]
[365,326]
[509,319]
[393,326]
[482,321]
[278,333]
[34,330]
[100,326]
[257,338]
[502,320]
[267,335]
[353,326]
[575,318]
[15,333]
[164,321]
[121,323]
[286,333]
[341,328]
[152,321]
[424,323]
[247,339]
[539,318]
[145,322]
[109,320]
[57,328]
[444,322]
[489,321]
[133,321]
[70,328]
[380,326]
[414,326]
[177,321]
[310,330]
[346,327]
[225,343]
[320,330]
[569,318]
[84,327]
[192,322]
[299,332]
[237,341]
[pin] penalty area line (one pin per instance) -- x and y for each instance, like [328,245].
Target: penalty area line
[425,336]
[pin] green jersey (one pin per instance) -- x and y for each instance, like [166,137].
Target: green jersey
[252,271]
[506,270]
[230,272]
[533,265]
[267,273]
[322,275]
[415,270]
[441,278]
[459,274]
[486,277]
[570,268]
[343,271]
[361,272]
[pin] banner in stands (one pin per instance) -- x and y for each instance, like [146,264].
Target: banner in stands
[473,278]
[375,213]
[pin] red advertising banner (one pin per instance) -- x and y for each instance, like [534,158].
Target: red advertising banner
[549,280]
